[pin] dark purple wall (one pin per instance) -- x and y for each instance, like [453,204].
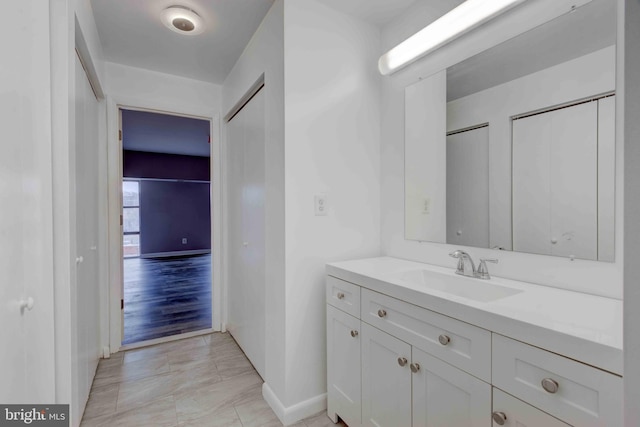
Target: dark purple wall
[172,210]
[139,164]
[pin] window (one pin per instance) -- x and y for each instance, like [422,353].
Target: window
[131,218]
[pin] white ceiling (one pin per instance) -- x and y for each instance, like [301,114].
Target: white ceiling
[377,12]
[132,33]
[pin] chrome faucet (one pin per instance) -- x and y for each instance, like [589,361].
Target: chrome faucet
[466,267]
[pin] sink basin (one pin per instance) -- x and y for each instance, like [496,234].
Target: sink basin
[465,287]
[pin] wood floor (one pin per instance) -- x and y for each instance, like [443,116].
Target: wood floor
[166,296]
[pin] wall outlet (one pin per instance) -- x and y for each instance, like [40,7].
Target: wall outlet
[184,240]
[320,205]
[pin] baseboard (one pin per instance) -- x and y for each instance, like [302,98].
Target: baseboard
[292,414]
[176,253]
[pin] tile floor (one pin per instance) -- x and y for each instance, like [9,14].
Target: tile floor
[201,381]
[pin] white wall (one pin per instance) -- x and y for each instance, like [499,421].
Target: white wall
[425,133]
[164,91]
[588,276]
[322,138]
[630,80]
[265,55]
[332,147]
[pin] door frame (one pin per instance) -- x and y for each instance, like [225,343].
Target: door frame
[114,159]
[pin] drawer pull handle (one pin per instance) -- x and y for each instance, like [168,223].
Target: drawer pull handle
[550,386]
[382,313]
[354,333]
[340,295]
[444,339]
[499,418]
[415,367]
[402,361]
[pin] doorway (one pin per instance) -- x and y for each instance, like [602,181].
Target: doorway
[166,225]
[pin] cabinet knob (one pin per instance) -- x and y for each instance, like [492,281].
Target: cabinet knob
[340,295]
[499,418]
[354,333]
[382,313]
[444,339]
[415,367]
[550,385]
[402,361]
[554,240]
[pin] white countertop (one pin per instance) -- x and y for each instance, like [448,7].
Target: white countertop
[580,326]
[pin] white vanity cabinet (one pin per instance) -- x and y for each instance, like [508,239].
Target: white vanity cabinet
[392,362]
[402,384]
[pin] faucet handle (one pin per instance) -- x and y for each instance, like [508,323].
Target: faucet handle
[483,271]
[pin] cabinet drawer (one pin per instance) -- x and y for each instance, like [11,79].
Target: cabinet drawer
[343,295]
[573,392]
[519,414]
[463,345]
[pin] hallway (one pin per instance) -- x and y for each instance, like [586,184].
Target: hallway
[200,381]
[166,296]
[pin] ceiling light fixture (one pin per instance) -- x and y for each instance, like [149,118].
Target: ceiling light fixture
[458,21]
[182,20]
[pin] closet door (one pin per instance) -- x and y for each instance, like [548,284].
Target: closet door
[531,184]
[246,142]
[555,182]
[468,188]
[87,289]
[574,181]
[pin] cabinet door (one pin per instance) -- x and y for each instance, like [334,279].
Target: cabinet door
[515,412]
[343,367]
[445,396]
[386,379]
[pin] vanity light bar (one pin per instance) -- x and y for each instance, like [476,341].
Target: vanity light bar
[458,21]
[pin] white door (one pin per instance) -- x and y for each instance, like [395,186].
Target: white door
[531,184]
[468,188]
[246,284]
[27,368]
[512,412]
[386,379]
[574,181]
[86,299]
[444,396]
[343,367]
[555,182]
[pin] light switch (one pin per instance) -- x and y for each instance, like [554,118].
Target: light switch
[320,203]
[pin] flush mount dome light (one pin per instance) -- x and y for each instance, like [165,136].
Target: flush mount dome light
[182,20]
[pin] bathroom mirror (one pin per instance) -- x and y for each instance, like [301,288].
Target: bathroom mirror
[514,148]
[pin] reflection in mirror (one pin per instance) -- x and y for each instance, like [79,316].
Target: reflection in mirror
[514,148]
